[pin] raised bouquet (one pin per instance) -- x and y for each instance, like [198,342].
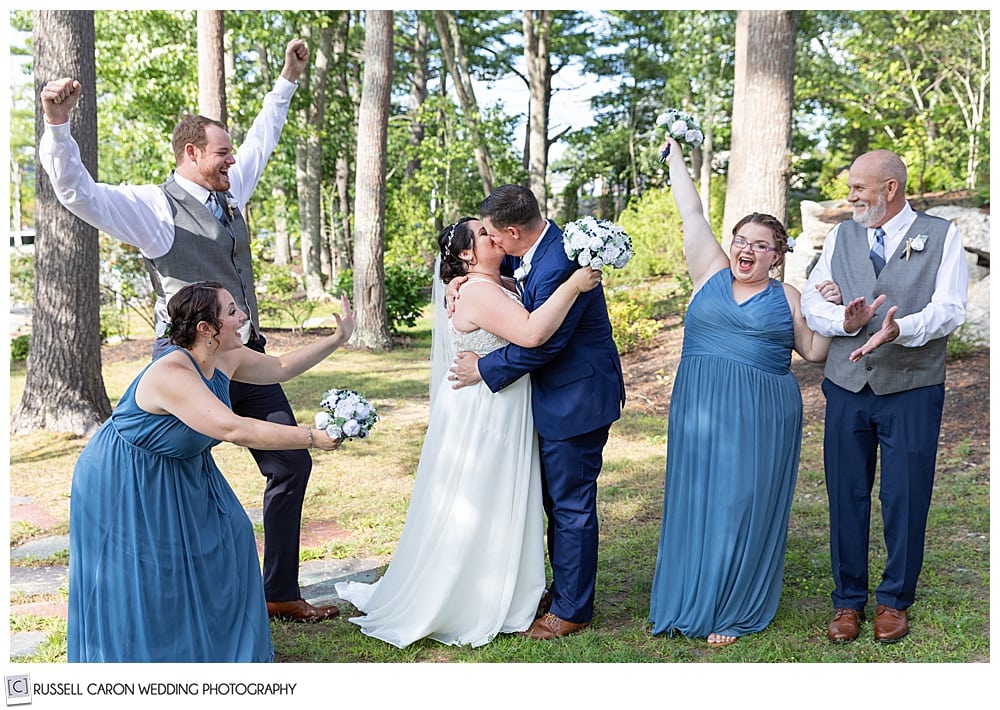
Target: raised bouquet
[681,127]
[345,414]
[597,243]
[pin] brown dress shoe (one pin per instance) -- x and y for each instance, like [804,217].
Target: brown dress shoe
[844,625]
[300,610]
[544,604]
[551,626]
[890,624]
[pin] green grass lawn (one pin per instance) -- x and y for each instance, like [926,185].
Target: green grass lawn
[364,488]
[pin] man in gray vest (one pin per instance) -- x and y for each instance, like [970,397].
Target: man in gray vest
[883,403]
[189,229]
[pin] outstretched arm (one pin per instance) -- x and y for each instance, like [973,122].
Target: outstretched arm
[704,254]
[173,387]
[247,365]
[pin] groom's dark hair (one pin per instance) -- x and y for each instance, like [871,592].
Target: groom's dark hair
[510,206]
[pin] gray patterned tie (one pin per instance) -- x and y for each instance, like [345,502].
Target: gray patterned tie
[877,253]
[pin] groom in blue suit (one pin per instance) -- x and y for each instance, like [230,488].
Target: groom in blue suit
[577,392]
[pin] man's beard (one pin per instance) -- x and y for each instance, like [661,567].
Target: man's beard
[873,214]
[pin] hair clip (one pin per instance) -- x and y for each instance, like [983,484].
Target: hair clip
[451,235]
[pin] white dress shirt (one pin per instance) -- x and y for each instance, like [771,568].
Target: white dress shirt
[140,215]
[944,313]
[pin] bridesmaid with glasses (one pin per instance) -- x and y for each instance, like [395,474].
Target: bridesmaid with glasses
[734,431]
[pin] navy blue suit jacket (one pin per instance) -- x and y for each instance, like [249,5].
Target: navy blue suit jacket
[576,377]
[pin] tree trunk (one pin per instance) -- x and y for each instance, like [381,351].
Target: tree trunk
[343,234]
[762,115]
[537,30]
[418,91]
[211,65]
[311,147]
[64,388]
[372,325]
[455,59]
[282,246]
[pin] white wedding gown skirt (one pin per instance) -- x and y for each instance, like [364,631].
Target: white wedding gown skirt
[470,562]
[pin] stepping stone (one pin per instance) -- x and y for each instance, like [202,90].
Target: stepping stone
[25,643]
[38,580]
[318,577]
[41,548]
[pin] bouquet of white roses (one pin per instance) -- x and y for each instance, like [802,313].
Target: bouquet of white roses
[345,414]
[681,127]
[597,243]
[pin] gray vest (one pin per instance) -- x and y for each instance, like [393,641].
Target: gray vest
[908,284]
[203,250]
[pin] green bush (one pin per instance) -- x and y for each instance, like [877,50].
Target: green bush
[654,225]
[407,291]
[282,295]
[19,347]
[631,323]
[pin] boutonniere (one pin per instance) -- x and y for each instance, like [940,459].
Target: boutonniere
[521,272]
[231,206]
[916,243]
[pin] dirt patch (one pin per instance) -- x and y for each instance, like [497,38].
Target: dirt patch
[649,380]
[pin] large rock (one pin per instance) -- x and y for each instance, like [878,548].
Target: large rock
[818,218]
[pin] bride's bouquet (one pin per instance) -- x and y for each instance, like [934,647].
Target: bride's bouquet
[681,127]
[597,243]
[345,414]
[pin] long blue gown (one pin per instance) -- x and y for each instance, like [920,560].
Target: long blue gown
[733,442]
[163,562]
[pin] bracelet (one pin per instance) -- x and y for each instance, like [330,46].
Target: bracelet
[309,431]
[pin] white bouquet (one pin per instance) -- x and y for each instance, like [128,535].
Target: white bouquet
[345,414]
[681,127]
[597,243]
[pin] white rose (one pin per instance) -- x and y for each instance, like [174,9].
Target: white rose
[334,432]
[322,420]
[351,427]
[678,128]
[584,258]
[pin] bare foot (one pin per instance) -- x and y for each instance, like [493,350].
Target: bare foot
[718,640]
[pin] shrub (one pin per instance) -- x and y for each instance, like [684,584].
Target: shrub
[19,347]
[407,291]
[279,295]
[631,322]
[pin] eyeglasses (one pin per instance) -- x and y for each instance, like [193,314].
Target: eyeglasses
[760,247]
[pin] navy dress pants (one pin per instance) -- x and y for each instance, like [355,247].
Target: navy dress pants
[569,494]
[902,430]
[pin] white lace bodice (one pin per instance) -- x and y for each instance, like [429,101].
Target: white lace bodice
[479,341]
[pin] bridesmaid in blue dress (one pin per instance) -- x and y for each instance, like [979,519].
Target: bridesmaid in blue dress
[734,430]
[163,562]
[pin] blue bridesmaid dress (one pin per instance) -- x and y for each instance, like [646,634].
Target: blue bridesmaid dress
[163,563]
[733,442]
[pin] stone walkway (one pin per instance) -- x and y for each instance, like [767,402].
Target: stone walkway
[316,577]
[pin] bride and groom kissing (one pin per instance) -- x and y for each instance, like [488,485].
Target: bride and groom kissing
[502,448]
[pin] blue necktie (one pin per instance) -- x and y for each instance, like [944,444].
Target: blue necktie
[877,254]
[212,203]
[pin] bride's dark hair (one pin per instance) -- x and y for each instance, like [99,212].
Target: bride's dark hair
[451,241]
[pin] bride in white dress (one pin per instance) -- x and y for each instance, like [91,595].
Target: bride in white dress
[470,563]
